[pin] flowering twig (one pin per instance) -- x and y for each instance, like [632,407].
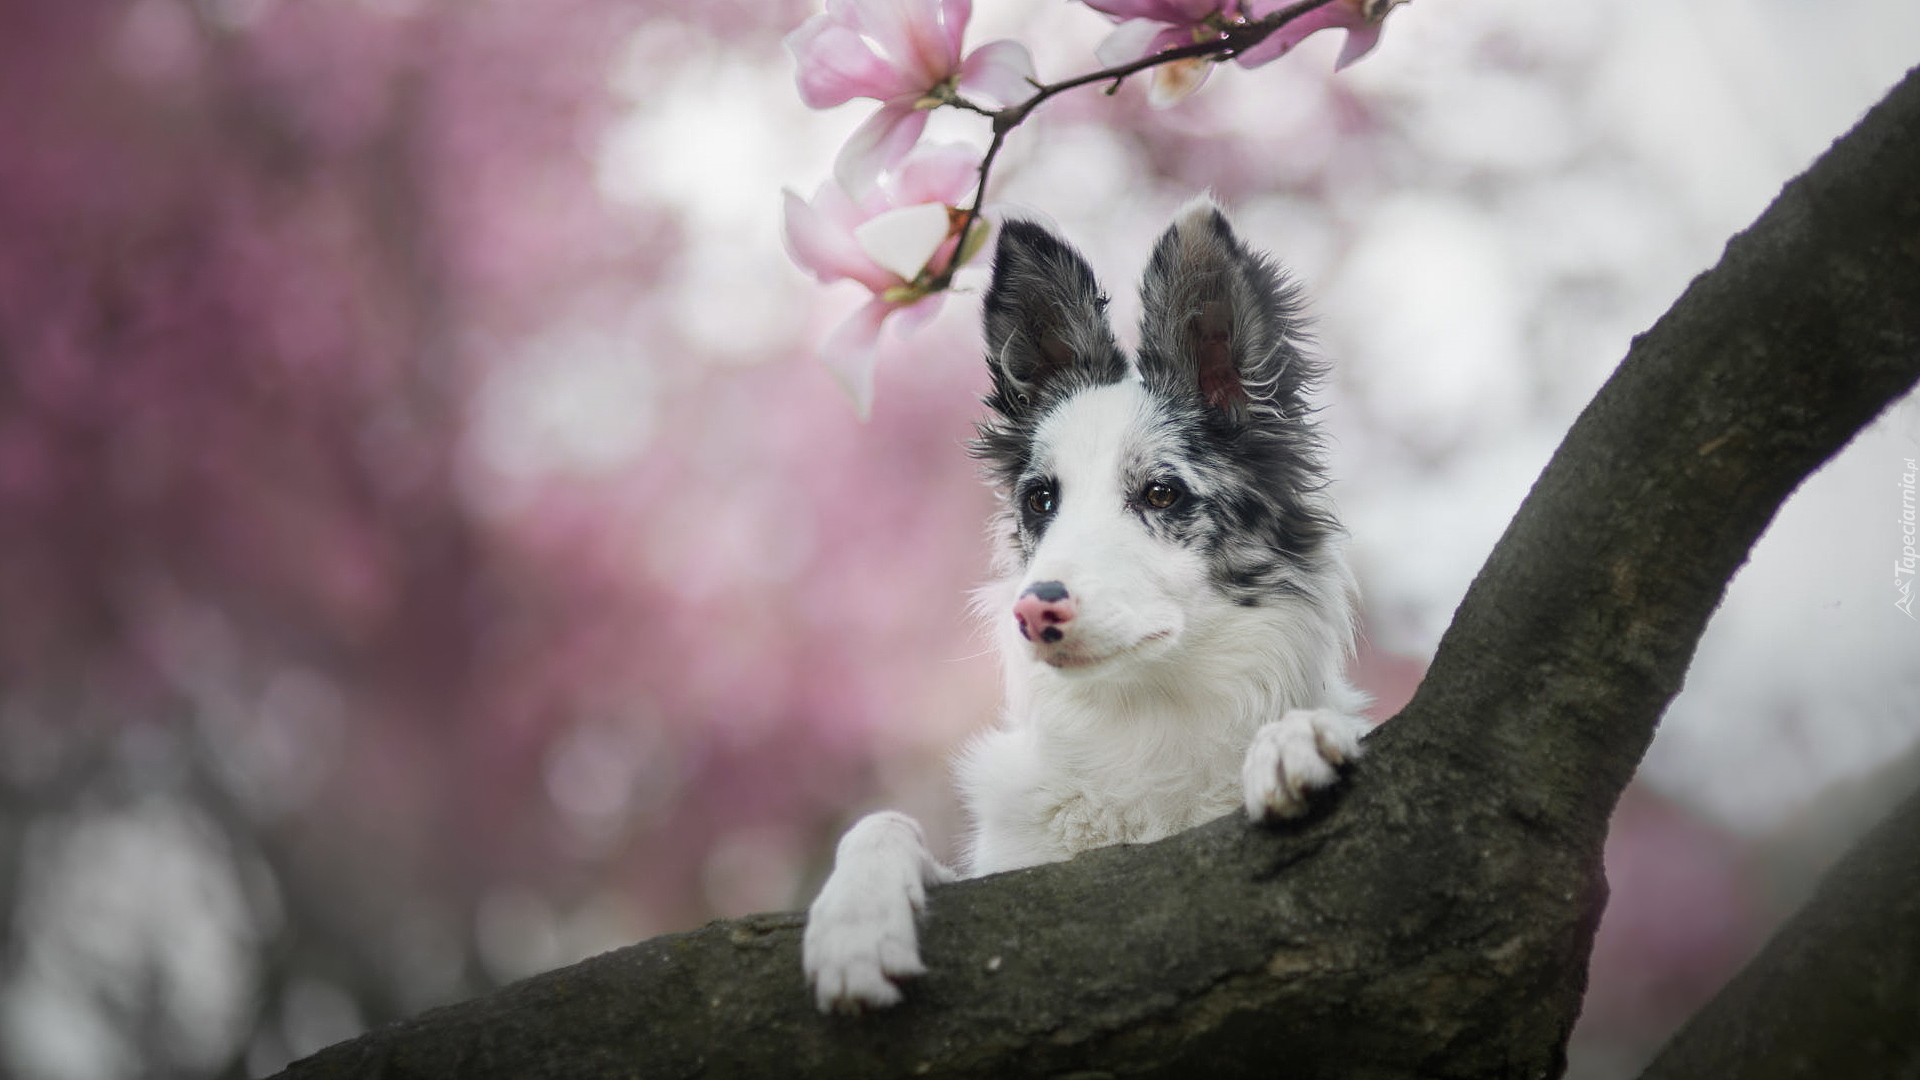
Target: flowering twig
[890,219]
[1235,39]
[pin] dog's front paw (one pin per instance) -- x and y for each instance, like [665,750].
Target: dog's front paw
[1296,755]
[860,939]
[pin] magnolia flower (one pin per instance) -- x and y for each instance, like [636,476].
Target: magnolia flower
[906,54]
[895,237]
[1361,20]
[1153,26]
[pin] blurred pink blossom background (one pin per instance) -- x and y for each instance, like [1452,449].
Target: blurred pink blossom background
[431,550]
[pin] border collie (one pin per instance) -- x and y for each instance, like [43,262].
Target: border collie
[1172,608]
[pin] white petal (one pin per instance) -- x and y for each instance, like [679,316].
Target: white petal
[1170,84]
[903,240]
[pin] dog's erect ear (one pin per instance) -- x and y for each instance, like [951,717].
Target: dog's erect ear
[1221,320]
[1046,320]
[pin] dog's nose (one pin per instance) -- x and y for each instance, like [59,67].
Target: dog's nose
[1043,611]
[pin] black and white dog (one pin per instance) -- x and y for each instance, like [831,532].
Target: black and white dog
[1172,607]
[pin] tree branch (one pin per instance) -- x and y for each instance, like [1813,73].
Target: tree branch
[1434,918]
[1835,992]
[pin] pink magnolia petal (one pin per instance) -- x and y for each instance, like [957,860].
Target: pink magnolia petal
[1360,42]
[1000,71]
[954,15]
[910,319]
[942,258]
[849,352]
[845,210]
[1166,11]
[832,65]
[841,210]
[868,19]
[877,145]
[1129,41]
[811,241]
[937,172]
[1341,14]
[1260,9]
[910,32]
[826,248]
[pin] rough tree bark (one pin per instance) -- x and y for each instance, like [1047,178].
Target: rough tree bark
[1434,918]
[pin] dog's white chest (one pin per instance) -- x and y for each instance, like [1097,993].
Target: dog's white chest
[1080,820]
[1029,807]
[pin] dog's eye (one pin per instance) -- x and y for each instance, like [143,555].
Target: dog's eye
[1040,500]
[1160,495]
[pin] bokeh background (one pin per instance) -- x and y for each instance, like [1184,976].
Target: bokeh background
[430,553]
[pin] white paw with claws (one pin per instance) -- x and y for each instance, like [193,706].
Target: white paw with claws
[1294,756]
[861,940]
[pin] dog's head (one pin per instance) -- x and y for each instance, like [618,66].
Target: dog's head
[1150,506]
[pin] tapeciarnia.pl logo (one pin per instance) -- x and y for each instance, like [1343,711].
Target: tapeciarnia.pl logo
[1903,567]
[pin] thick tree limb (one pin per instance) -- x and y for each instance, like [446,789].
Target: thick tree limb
[1835,992]
[1435,918]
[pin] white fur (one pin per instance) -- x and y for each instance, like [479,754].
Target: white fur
[860,935]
